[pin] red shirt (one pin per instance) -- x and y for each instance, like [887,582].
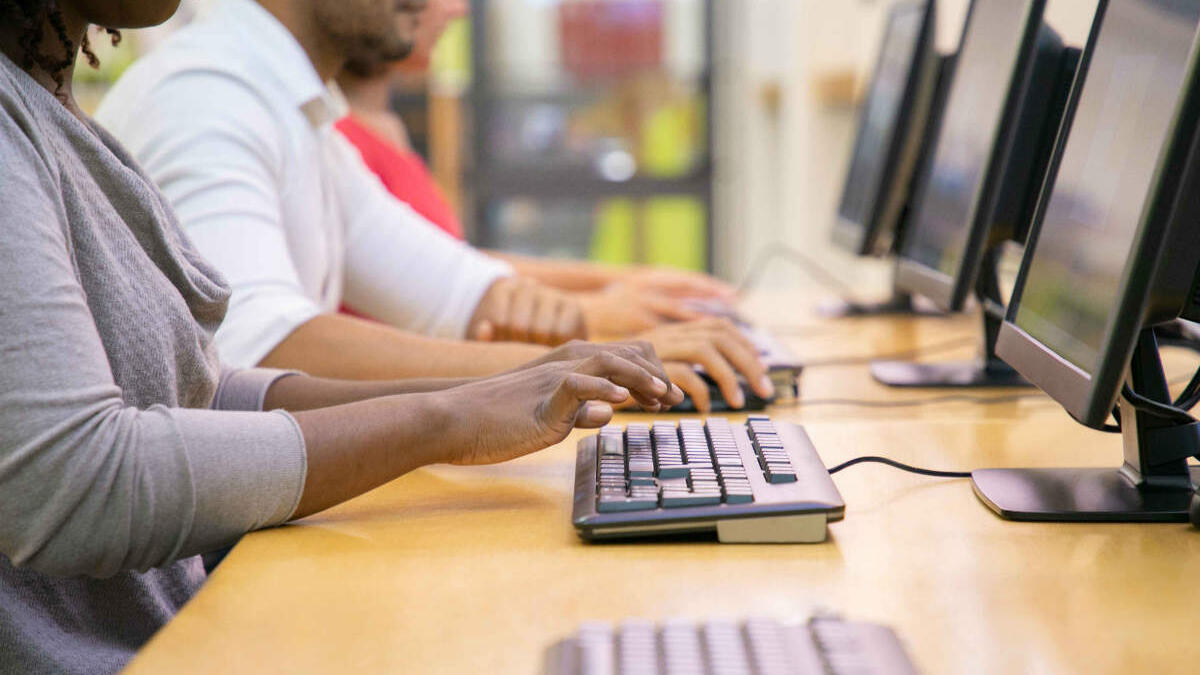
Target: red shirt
[404,174]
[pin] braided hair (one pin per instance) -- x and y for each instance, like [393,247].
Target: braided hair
[31,16]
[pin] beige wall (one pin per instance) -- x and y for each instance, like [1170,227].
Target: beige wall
[781,174]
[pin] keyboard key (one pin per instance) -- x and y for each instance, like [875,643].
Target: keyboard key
[739,497]
[725,650]
[675,471]
[637,648]
[611,445]
[595,642]
[672,500]
[781,475]
[766,646]
[615,503]
[682,654]
[641,468]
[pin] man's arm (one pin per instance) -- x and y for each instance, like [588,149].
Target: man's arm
[343,347]
[405,271]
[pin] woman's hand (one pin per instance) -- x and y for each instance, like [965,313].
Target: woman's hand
[623,309]
[645,298]
[680,284]
[722,350]
[511,415]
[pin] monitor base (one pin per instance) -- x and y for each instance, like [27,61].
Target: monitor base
[962,374]
[1079,496]
[899,305]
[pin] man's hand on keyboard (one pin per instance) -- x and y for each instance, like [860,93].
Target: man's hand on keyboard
[721,349]
[516,413]
[522,310]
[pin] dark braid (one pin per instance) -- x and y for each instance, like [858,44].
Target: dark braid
[86,47]
[31,17]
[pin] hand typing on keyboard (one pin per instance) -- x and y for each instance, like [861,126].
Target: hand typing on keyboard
[502,417]
[721,349]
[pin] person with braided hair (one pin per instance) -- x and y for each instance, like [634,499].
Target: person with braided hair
[126,447]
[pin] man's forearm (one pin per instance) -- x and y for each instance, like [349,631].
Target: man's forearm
[342,347]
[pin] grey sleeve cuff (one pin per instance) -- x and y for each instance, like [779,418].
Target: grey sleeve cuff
[246,389]
[248,472]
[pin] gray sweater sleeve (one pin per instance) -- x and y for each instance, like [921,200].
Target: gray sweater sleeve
[90,485]
[246,389]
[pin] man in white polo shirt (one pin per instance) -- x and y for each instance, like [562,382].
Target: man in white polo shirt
[234,122]
[232,119]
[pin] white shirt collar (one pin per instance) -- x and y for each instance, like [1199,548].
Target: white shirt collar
[279,54]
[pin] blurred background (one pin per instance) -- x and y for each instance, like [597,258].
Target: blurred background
[690,133]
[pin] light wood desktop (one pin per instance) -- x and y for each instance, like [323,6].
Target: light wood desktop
[476,570]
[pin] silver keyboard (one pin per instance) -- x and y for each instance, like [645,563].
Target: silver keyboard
[824,645]
[752,482]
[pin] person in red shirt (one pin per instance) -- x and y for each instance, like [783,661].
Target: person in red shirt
[648,302]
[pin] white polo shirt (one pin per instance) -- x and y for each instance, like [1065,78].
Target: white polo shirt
[232,122]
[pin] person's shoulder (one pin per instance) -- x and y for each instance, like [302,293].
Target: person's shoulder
[196,69]
[187,86]
[25,137]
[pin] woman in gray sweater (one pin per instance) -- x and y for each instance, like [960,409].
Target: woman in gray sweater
[125,448]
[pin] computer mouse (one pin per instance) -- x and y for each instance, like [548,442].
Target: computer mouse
[718,402]
[784,380]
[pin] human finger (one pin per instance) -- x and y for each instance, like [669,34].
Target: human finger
[593,415]
[721,373]
[520,314]
[744,358]
[668,308]
[569,323]
[643,354]
[651,392]
[483,331]
[545,318]
[685,376]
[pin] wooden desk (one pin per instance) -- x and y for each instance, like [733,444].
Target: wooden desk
[476,570]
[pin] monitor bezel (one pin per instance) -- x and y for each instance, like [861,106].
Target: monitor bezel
[863,238]
[949,292]
[1152,289]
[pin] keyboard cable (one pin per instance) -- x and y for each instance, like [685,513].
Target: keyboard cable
[1162,409]
[779,250]
[899,465]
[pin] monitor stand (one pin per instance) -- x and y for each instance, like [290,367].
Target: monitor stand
[899,304]
[985,370]
[1154,484]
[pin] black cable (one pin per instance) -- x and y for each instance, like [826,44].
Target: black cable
[934,348]
[812,268]
[1156,409]
[910,403]
[899,465]
[1190,396]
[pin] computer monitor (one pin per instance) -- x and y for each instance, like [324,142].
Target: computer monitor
[979,189]
[1114,250]
[890,132]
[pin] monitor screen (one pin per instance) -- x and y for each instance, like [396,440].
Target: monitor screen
[880,116]
[1108,166]
[986,63]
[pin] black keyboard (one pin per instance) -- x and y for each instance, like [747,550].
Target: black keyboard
[757,482]
[822,646]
